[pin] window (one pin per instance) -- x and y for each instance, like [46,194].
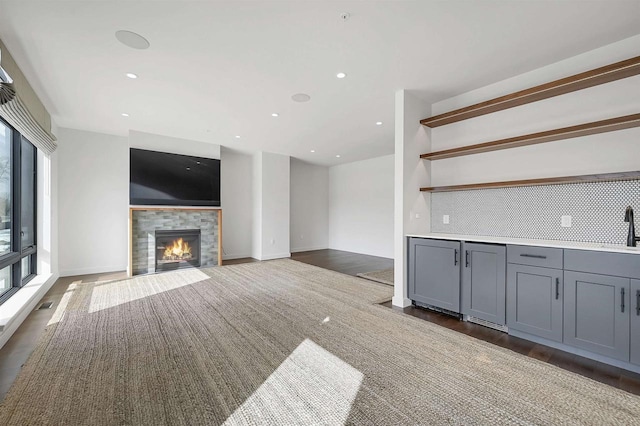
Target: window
[18,168]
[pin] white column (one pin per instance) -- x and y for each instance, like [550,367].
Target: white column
[271,200]
[411,207]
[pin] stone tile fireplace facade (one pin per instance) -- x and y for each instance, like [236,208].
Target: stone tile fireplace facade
[145,223]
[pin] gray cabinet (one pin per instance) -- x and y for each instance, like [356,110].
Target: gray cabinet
[535,300]
[635,321]
[596,313]
[484,281]
[434,273]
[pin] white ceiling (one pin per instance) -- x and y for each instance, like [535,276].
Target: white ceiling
[219,69]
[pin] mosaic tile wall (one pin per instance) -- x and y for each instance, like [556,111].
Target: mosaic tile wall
[597,211]
[146,222]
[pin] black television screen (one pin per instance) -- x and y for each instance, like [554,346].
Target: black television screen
[160,178]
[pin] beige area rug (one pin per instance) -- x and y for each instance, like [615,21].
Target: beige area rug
[281,343]
[385,276]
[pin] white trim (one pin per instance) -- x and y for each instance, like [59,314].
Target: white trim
[94,270]
[234,256]
[15,310]
[298,250]
[275,256]
[402,302]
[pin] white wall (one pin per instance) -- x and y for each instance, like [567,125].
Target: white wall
[361,206]
[271,179]
[173,145]
[93,183]
[237,212]
[309,206]
[603,153]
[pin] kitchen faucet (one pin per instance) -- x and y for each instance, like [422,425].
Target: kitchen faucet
[631,237]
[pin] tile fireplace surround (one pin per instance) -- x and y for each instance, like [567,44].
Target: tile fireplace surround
[144,222]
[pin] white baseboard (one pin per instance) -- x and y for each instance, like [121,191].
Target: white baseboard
[33,292]
[276,256]
[93,270]
[235,256]
[401,302]
[298,250]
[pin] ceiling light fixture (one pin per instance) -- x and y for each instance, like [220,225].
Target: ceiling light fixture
[124,114]
[341,75]
[131,75]
[275,114]
[313,150]
[378,123]
[338,156]
[237,136]
[132,40]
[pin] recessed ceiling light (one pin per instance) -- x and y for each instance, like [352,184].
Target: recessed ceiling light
[313,150]
[301,97]
[378,123]
[132,75]
[237,136]
[341,75]
[124,114]
[131,39]
[275,114]
[338,156]
[188,168]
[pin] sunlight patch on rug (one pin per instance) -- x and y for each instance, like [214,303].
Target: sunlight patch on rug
[110,294]
[312,386]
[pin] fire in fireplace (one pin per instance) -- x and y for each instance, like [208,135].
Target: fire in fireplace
[177,249]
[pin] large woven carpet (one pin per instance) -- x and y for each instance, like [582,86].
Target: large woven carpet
[281,342]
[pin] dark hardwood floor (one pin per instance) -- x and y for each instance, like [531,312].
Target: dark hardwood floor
[343,261]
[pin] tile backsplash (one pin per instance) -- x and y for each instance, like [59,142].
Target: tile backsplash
[597,211]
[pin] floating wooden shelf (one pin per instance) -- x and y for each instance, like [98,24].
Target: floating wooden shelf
[606,177]
[593,128]
[617,71]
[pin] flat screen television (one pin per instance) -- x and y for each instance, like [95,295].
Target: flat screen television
[160,178]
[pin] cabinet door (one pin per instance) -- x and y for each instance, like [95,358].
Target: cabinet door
[635,321]
[534,300]
[596,313]
[484,281]
[434,273]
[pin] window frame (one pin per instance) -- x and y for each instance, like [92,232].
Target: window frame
[14,258]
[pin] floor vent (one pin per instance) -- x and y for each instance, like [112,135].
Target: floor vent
[489,324]
[45,305]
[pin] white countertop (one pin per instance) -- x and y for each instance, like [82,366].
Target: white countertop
[616,248]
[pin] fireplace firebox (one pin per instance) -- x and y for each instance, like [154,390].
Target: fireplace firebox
[177,249]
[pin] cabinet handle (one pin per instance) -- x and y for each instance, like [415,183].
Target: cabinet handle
[622,299]
[557,288]
[466,258]
[455,257]
[535,256]
[638,303]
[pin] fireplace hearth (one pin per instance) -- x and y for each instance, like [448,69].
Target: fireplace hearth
[176,249]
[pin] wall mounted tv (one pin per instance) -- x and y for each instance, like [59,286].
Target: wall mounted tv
[160,178]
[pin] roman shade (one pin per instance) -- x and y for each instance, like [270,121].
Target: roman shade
[16,113]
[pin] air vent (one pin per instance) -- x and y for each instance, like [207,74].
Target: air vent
[45,305]
[489,324]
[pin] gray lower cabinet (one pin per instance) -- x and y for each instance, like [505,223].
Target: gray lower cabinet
[535,300]
[434,273]
[484,281]
[596,313]
[635,321]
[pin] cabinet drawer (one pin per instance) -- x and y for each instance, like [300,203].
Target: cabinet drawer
[604,263]
[535,256]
